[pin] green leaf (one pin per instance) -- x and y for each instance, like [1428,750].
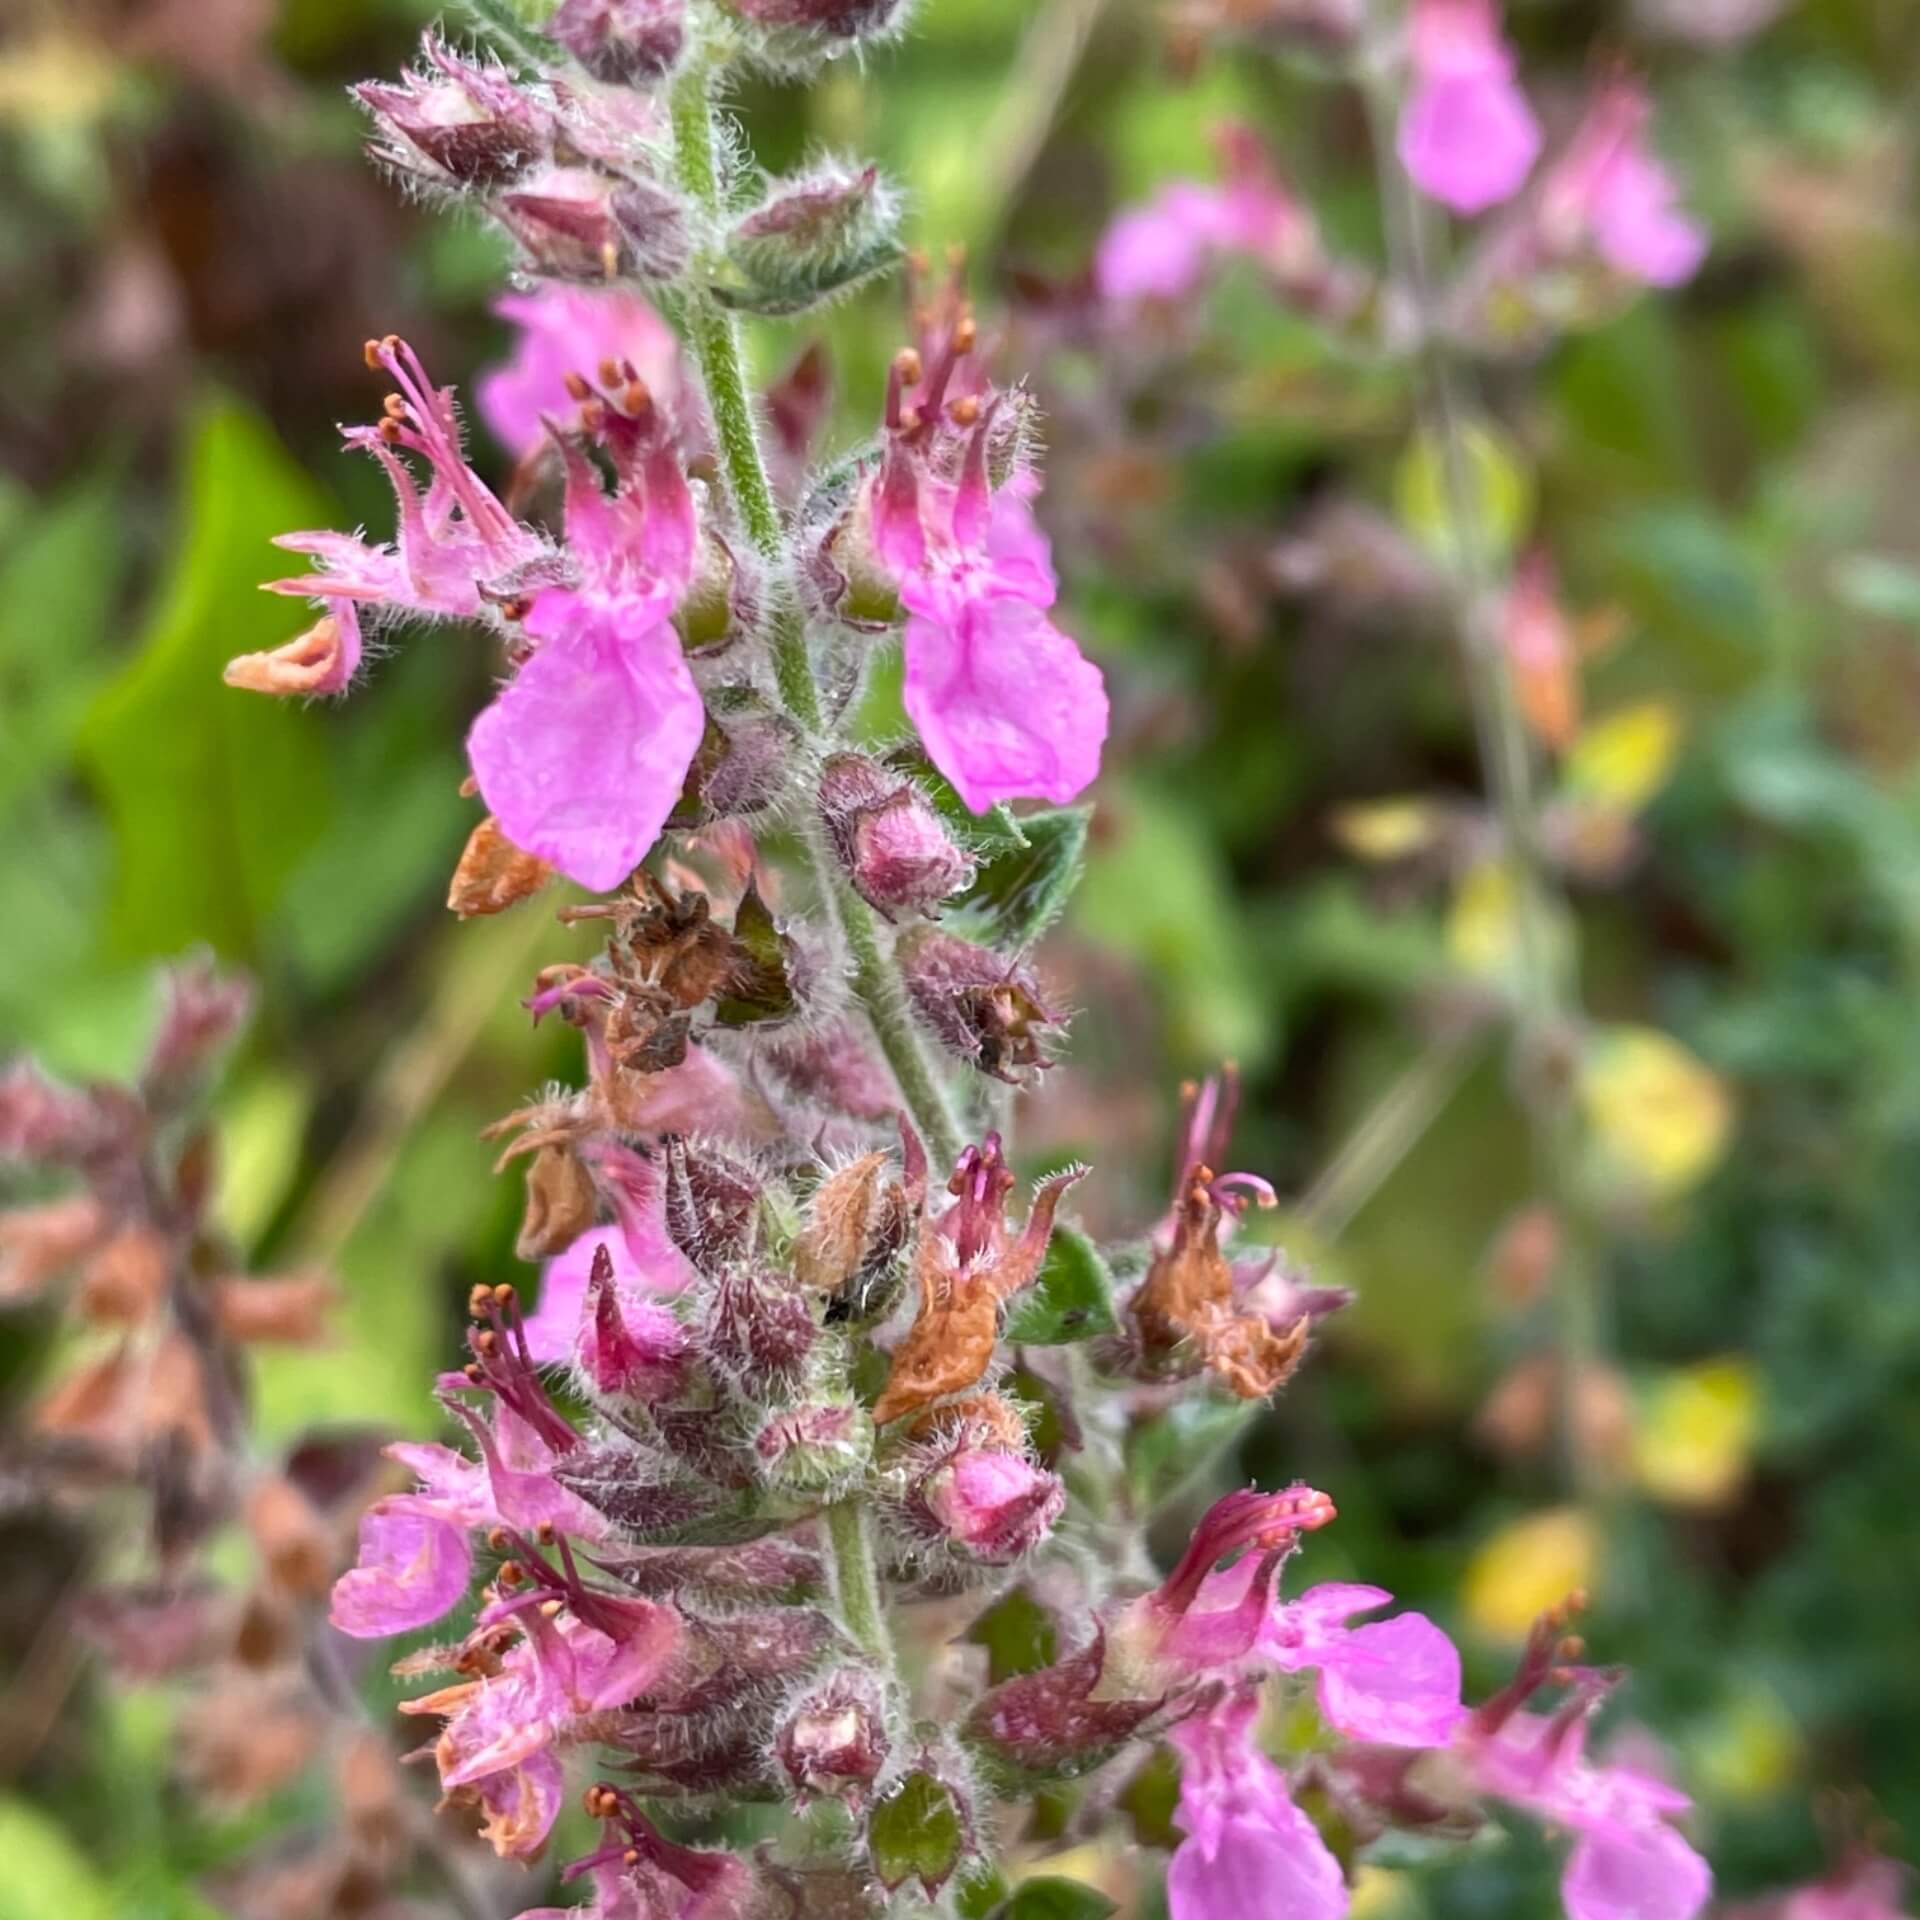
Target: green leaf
[214,795]
[1050,1897]
[49,1874]
[761,989]
[979,1892]
[916,1833]
[1018,1633]
[58,578]
[1019,893]
[1071,1300]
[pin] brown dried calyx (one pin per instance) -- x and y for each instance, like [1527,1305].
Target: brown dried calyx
[562,1202]
[967,1267]
[857,1226]
[493,873]
[1187,1300]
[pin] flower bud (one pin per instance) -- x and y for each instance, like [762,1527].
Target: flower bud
[893,845]
[982,1007]
[709,1203]
[990,1504]
[626,43]
[723,600]
[833,1738]
[744,766]
[815,1448]
[454,121]
[758,1332]
[561,1202]
[840,571]
[792,35]
[1048,1726]
[575,224]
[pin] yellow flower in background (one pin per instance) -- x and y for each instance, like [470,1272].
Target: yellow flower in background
[1383,1893]
[1483,925]
[1750,1751]
[1385,830]
[1527,1567]
[1620,762]
[1660,1117]
[1693,1440]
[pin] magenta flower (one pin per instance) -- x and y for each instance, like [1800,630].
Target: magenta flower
[1163,249]
[414,1565]
[584,754]
[1628,1862]
[1610,192]
[1007,705]
[1393,1682]
[643,1266]
[451,542]
[1467,136]
[562,330]
[1249,1850]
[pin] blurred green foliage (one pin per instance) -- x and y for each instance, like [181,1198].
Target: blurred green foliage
[190,252]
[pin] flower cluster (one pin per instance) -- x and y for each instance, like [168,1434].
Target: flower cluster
[799,1364]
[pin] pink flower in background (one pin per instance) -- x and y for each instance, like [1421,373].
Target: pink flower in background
[563,330]
[584,754]
[1249,1850]
[451,541]
[1628,1861]
[1609,191]
[1164,248]
[1467,135]
[1008,706]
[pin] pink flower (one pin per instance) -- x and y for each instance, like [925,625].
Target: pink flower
[414,1566]
[451,542]
[1467,135]
[1628,1862]
[1163,249]
[584,754]
[1007,705]
[1610,191]
[1249,1850]
[563,330]
[643,1266]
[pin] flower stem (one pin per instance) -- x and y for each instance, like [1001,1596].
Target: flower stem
[856,1580]
[714,337]
[1545,1011]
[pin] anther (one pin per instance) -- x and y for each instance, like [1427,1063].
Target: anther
[609,372]
[394,406]
[965,333]
[389,430]
[578,385]
[964,411]
[504,1296]
[549,1609]
[497,1538]
[906,363]
[371,353]
[479,1300]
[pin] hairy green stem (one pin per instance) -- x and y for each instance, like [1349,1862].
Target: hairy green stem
[714,336]
[856,1580]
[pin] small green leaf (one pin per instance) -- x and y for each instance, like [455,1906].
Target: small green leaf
[1050,1897]
[917,1833]
[1018,1633]
[761,990]
[1019,893]
[978,1893]
[1072,1299]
